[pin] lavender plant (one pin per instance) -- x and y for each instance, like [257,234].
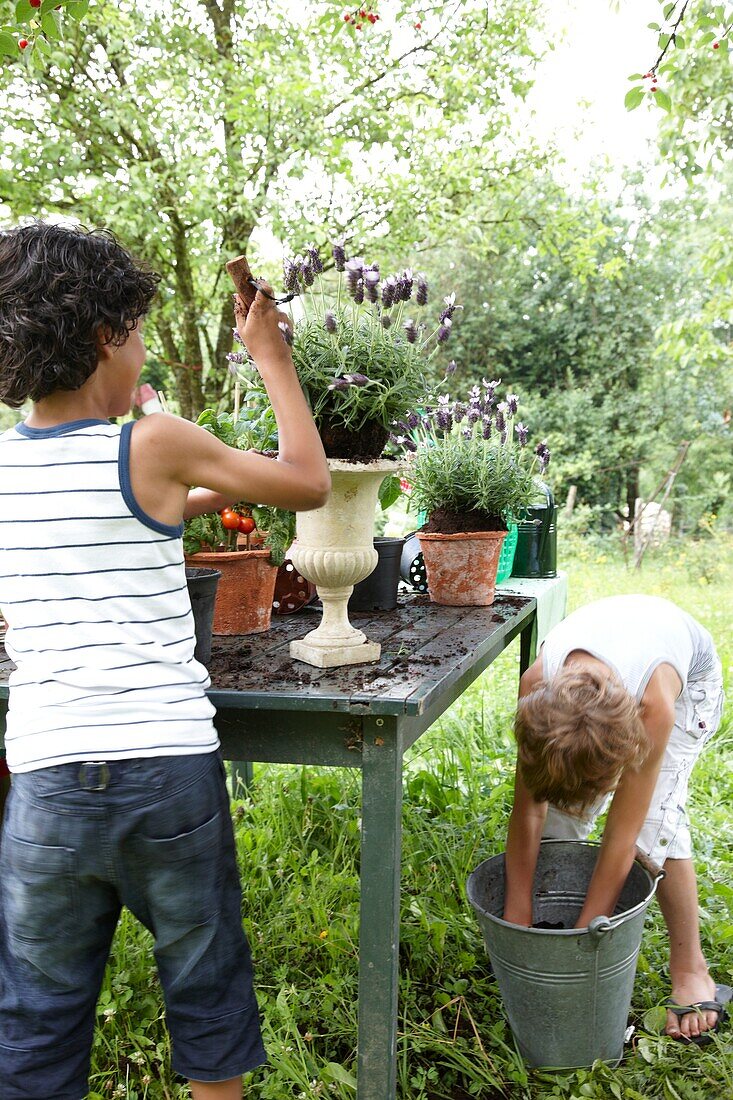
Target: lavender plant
[365,341]
[473,457]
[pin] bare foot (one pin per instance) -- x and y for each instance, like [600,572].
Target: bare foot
[689,987]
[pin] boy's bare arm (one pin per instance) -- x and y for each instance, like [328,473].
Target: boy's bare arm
[169,454]
[525,832]
[627,814]
[522,848]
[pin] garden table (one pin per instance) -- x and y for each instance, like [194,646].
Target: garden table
[273,709]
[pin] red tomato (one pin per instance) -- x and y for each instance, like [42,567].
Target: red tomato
[229,519]
[246,525]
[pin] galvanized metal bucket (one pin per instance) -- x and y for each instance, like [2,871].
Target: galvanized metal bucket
[566,991]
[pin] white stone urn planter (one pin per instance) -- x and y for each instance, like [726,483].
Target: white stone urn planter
[334,548]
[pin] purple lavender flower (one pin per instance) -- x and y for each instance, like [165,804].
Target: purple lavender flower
[512,403]
[329,321]
[543,453]
[314,258]
[522,433]
[389,288]
[287,332]
[473,414]
[405,284]
[290,276]
[486,431]
[450,307]
[338,251]
[357,379]
[451,368]
[237,357]
[371,284]
[412,420]
[410,331]
[237,338]
[354,269]
[339,384]
[443,417]
[309,275]
[467,433]
[500,418]
[386,320]
[444,331]
[403,441]
[475,394]
[422,290]
[459,412]
[358,293]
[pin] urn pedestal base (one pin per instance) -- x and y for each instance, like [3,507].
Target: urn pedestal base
[334,548]
[334,656]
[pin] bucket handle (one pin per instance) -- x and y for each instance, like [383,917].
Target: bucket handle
[598,928]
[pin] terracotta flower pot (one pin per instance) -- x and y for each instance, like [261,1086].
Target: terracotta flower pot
[244,596]
[462,568]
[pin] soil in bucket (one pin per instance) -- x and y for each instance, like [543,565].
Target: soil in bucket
[202,586]
[378,591]
[566,991]
[362,445]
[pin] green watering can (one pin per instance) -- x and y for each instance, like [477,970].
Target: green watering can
[536,553]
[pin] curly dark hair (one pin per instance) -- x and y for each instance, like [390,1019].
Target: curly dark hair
[59,286]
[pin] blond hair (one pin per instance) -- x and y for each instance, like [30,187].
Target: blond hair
[575,734]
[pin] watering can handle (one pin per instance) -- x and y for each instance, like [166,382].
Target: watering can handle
[547,521]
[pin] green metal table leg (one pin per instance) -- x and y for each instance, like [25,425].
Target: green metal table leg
[379,934]
[242,777]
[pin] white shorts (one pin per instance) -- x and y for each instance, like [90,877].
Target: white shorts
[665,833]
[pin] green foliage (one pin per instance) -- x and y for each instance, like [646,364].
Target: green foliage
[361,349]
[185,126]
[39,26]
[254,429]
[457,469]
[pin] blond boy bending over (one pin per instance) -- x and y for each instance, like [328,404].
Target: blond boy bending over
[617,708]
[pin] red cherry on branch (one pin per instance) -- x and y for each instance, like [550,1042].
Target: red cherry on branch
[35,3]
[716,45]
[22,43]
[418,26]
[654,89]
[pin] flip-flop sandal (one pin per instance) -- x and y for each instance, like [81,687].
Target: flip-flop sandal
[723,996]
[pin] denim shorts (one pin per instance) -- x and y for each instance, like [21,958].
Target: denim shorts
[78,843]
[666,832]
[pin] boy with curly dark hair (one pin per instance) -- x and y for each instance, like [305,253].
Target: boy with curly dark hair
[118,794]
[624,696]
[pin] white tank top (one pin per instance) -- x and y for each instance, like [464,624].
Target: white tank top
[632,635]
[94,594]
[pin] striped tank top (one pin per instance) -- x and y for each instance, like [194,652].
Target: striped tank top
[94,594]
[633,635]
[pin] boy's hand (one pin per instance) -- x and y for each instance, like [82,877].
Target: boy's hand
[264,329]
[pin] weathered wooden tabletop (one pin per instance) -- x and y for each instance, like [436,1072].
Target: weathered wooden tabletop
[424,648]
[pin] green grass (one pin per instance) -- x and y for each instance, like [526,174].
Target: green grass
[298,839]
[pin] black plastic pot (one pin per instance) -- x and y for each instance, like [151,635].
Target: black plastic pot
[378,591]
[202,586]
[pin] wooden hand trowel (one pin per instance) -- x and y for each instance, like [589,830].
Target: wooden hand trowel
[244,281]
